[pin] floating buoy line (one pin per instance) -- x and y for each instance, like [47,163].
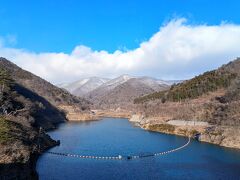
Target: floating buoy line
[120,157]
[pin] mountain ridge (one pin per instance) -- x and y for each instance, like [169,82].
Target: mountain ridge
[212,98]
[28,104]
[119,92]
[81,87]
[40,86]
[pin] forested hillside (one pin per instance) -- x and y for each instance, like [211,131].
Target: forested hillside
[208,82]
[51,93]
[27,104]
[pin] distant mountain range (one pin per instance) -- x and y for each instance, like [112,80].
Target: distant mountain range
[28,102]
[85,86]
[115,92]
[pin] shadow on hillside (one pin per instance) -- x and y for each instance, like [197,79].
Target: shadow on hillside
[44,113]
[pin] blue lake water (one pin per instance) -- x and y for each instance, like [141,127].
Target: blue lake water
[115,136]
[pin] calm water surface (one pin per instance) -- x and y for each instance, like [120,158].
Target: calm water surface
[112,137]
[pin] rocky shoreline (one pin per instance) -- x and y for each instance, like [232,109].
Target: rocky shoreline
[226,136]
[73,114]
[18,158]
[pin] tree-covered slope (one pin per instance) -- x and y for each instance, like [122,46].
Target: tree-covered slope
[56,96]
[208,82]
[27,103]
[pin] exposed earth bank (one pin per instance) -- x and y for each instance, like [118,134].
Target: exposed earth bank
[227,136]
[222,135]
[207,105]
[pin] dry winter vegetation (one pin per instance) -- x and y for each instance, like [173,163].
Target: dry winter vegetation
[213,97]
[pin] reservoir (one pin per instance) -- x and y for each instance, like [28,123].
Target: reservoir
[116,136]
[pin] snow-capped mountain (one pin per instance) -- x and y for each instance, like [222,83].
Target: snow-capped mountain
[115,92]
[123,89]
[83,86]
[115,82]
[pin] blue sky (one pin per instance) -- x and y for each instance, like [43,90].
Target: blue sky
[60,25]
[66,40]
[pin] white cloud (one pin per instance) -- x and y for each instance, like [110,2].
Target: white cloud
[177,51]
